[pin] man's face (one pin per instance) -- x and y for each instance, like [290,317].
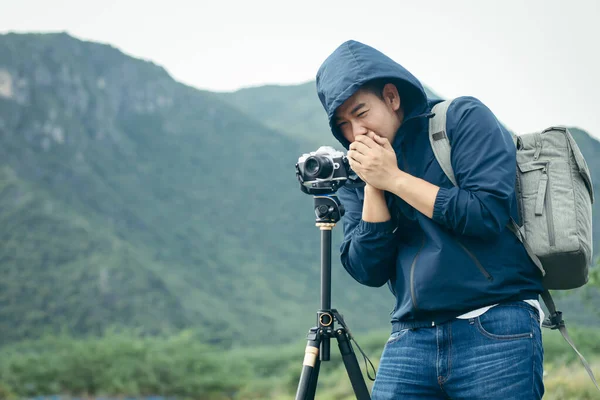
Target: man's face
[365,111]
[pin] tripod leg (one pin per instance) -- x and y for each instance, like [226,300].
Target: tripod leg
[352,367]
[314,377]
[310,368]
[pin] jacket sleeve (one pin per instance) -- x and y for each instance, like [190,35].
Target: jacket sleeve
[483,157]
[368,251]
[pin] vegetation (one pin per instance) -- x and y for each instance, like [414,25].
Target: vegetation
[123,364]
[128,200]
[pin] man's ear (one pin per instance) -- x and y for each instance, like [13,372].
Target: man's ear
[391,96]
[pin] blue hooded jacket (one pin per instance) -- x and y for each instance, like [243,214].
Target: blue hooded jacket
[463,258]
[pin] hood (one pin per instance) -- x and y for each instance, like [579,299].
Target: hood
[354,63]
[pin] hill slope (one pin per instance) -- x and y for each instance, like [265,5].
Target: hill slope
[293,110]
[131,200]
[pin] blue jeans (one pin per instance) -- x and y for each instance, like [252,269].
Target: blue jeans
[497,355]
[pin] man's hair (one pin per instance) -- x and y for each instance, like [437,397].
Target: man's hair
[409,94]
[376,86]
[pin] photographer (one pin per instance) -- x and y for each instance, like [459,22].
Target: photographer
[466,321]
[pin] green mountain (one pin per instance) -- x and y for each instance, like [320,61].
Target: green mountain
[294,110]
[131,201]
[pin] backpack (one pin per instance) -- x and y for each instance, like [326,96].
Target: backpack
[554,196]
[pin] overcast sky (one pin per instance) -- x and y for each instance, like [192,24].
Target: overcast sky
[534,63]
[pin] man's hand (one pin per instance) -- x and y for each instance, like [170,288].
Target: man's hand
[374,160]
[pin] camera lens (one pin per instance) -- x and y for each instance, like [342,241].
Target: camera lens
[311,166]
[318,166]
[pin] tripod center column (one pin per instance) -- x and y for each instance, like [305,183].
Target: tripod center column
[325,264]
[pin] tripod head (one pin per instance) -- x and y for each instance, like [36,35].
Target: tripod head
[328,209]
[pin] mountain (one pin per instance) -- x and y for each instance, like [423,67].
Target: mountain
[129,200]
[294,110]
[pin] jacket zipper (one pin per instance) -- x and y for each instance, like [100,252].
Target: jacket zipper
[404,164]
[395,301]
[476,261]
[392,283]
[412,275]
[414,262]
[393,290]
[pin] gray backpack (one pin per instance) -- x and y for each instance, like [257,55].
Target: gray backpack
[555,195]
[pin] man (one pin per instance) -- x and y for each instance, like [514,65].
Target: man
[466,321]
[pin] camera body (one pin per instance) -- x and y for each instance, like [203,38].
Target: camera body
[324,171]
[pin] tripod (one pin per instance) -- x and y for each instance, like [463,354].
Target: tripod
[328,211]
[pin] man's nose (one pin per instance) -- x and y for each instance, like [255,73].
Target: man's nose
[358,129]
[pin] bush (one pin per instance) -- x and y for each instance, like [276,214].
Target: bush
[127,365]
[121,364]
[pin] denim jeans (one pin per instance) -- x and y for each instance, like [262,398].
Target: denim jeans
[497,355]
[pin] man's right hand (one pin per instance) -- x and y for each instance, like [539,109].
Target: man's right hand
[375,207]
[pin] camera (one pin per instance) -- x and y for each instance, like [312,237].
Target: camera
[324,171]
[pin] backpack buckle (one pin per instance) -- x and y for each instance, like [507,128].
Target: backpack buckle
[554,321]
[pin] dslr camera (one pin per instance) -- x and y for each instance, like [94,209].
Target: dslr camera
[324,171]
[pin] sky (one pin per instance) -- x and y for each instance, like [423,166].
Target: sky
[535,63]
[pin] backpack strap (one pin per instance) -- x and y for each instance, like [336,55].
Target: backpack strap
[442,150]
[439,139]
[440,142]
[555,321]
[514,228]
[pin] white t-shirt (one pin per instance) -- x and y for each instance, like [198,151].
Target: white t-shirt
[480,311]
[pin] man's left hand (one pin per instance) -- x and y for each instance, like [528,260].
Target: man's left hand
[374,160]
